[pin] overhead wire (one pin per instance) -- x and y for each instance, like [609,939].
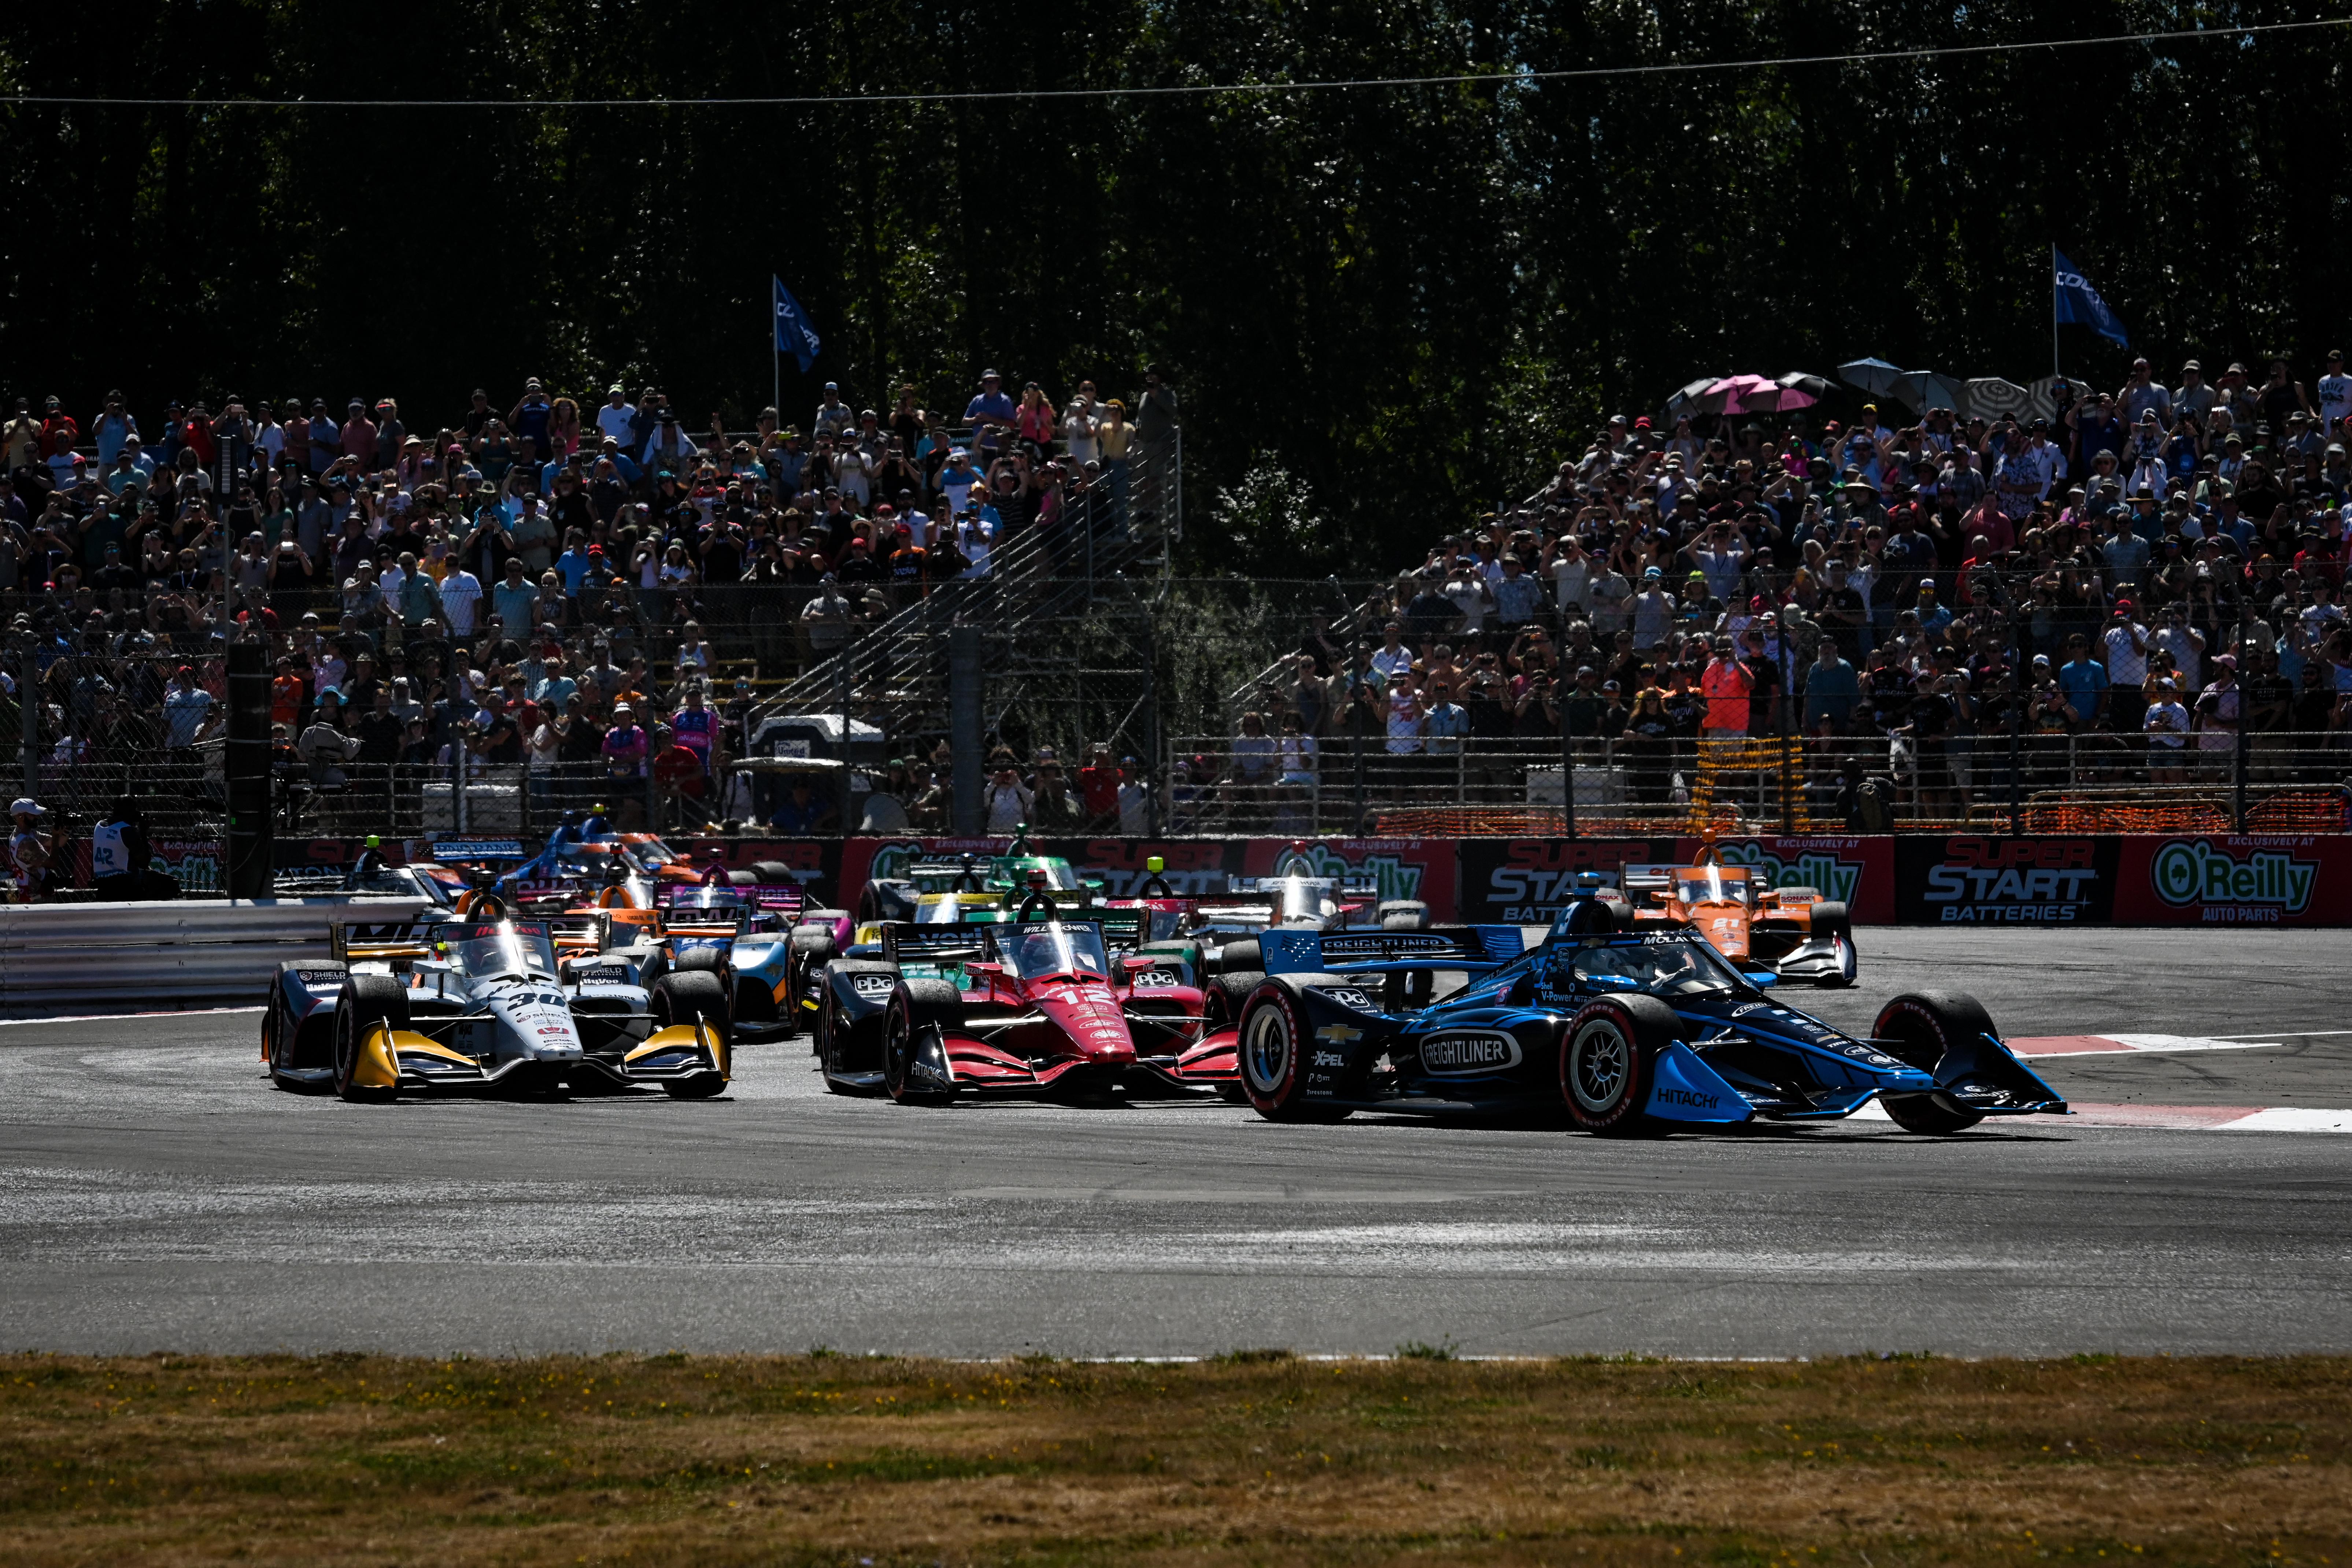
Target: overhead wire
[1187,89]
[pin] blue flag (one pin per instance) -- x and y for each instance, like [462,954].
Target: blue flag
[2076,302]
[794,336]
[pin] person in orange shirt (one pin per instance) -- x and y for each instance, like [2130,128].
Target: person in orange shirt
[1726,683]
[287,693]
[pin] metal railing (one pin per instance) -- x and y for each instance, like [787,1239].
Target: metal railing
[2084,782]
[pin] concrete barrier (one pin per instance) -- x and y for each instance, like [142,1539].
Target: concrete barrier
[107,958]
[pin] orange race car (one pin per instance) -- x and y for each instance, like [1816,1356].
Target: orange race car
[1795,930]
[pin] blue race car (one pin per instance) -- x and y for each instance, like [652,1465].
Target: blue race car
[1625,1030]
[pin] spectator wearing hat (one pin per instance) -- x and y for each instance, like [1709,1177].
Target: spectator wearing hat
[324,748]
[32,851]
[2167,726]
[626,746]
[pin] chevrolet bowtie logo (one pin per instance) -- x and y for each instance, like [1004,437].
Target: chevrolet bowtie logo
[1339,1033]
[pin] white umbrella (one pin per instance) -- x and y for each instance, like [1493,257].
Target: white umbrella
[1990,397]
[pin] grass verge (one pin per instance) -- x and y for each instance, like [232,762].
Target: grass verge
[1250,1458]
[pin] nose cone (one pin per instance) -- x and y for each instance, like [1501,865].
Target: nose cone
[1089,1015]
[1725,925]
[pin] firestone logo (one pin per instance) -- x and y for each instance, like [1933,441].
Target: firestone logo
[2201,871]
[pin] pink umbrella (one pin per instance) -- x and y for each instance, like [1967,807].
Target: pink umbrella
[1757,394]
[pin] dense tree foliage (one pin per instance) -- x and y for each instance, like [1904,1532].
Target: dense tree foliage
[1412,298]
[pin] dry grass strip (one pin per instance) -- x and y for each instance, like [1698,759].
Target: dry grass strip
[1249,1459]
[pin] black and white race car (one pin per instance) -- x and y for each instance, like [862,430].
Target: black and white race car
[481,1002]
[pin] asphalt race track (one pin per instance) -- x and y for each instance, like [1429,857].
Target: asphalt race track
[155,1194]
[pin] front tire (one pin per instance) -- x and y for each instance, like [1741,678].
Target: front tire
[694,997]
[1926,1028]
[1935,1114]
[1274,1059]
[368,1001]
[918,1007]
[1608,1061]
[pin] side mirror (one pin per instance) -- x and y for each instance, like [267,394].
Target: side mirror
[1762,980]
[986,970]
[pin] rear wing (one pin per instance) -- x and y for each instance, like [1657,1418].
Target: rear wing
[1123,930]
[1471,948]
[1362,886]
[411,937]
[479,851]
[903,941]
[785,898]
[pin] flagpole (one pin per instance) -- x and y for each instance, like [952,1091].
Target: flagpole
[2054,372]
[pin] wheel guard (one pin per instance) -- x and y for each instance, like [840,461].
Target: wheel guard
[1685,1089]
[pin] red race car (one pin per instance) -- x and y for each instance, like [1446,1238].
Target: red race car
[1035,1007]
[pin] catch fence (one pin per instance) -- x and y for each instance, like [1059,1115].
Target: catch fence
[2083,783]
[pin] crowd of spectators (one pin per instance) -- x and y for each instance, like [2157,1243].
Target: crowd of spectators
[530,587]
[2162,566]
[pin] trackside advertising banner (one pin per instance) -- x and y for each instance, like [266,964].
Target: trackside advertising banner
[1525,882]
[1403,868]
[1986,881]
[1911,879]
[2262,880]
[1856,872]
[1193,865]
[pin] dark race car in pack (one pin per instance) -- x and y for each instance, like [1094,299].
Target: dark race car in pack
[1623,1030]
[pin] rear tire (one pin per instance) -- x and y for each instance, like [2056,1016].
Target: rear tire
[917,1007]
[367,1001]
[700,961]
[1224,996]
[772,873]
[1404,915]
[805,947]
[1274,1059]
[1241,957]
[1608,1061]
[694,997]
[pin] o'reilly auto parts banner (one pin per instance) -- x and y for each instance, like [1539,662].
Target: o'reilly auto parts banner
[2221,879]
[1420,869]
[1972,881]
[1856,872]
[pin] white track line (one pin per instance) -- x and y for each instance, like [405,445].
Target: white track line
[122,1018]
[2169,1118]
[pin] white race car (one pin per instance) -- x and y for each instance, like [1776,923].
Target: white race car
[480,1002]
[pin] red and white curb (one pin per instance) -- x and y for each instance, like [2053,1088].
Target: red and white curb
[2172,1118]
[2032,1046]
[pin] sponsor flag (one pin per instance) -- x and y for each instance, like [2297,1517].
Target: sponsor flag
[2076,300]
[794,335]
